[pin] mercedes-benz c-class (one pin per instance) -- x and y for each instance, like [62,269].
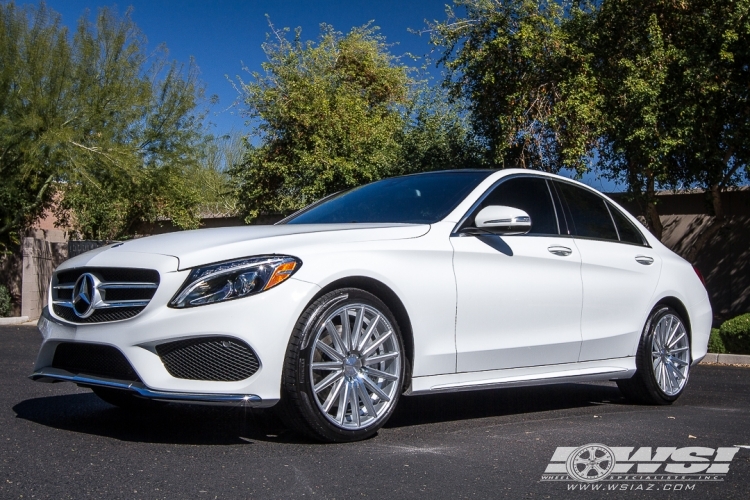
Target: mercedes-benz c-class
[427,283]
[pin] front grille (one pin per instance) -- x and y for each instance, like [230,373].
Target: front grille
[123,293]
[93,359]
[221,359]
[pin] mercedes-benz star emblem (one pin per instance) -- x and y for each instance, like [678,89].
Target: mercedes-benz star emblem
[85,295]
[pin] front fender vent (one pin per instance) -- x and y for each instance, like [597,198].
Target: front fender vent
[220,359]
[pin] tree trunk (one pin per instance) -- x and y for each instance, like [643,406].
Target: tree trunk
[713,227]
[652,214]
[716,202]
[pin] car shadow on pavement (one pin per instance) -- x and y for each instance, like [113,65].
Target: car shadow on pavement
[172,424]
[435,408]
[186,424]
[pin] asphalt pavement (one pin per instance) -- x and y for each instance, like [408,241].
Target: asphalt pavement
[59,441]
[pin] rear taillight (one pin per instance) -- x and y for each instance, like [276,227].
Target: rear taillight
[700,276]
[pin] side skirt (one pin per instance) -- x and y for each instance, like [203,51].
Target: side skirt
[608,369]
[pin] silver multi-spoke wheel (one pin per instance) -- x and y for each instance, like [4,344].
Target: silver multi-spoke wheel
[355,366]
[670,354]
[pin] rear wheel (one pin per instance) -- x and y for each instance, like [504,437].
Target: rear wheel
[344,367]
[662,360]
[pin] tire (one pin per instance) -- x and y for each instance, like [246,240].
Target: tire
[342,385]
[662,368]
[126,399]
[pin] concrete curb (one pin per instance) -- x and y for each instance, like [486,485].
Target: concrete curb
[14,321]
[726,359]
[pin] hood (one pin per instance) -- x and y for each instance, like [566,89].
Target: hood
[205,246]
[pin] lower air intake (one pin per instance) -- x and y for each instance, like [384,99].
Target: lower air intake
[93,359]
[220,359]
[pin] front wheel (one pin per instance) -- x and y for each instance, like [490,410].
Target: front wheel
[662,360]
[344,367]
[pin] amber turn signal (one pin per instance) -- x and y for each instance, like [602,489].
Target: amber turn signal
[281,273]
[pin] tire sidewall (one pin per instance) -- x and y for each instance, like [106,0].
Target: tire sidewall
[301,383]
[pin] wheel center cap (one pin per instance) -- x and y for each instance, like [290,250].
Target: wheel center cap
[352,365]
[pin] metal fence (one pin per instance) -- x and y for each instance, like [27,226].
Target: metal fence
[81,246]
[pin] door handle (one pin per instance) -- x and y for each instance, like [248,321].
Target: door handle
[560,250]
[644,259]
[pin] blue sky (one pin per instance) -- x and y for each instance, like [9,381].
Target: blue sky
[225,35]
[222,35]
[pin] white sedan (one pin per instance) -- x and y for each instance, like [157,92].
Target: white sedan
[435,282]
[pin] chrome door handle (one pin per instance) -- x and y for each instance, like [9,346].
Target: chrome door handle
[560,250]
[644,259]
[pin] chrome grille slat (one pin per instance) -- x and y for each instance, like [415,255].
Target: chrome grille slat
[107,305]
[110,285]
[122,303]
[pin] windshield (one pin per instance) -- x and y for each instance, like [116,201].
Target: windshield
[412,199]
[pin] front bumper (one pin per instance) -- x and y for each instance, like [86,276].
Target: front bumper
[264,322]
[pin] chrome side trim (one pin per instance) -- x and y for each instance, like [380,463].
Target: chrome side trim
[57,375]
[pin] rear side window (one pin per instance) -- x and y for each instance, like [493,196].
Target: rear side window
[530,195]
[587,213]
[627,231]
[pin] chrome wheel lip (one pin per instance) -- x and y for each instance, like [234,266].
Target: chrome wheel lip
[360,368]
[670,354]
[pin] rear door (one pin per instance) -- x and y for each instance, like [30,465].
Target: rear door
[619,272]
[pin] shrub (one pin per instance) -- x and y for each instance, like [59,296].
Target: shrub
[715,344]
[4,302]
[735,333]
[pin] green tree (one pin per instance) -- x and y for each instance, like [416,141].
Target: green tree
[530,88]
[640,132]
[96,119]
[437,134]
[673,80]
[211,177]
[650,92]
[714,100]
[328,116]
[34,83]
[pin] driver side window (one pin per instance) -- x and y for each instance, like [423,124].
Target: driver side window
[529,194]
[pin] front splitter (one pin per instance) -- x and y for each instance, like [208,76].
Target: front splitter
[57,375]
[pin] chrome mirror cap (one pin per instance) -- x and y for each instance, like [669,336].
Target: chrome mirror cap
[503,220]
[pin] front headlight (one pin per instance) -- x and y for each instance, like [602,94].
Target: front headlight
[234,279]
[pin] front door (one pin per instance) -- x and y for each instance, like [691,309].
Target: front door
[518,297]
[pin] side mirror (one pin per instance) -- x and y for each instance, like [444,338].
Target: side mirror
[503,220]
